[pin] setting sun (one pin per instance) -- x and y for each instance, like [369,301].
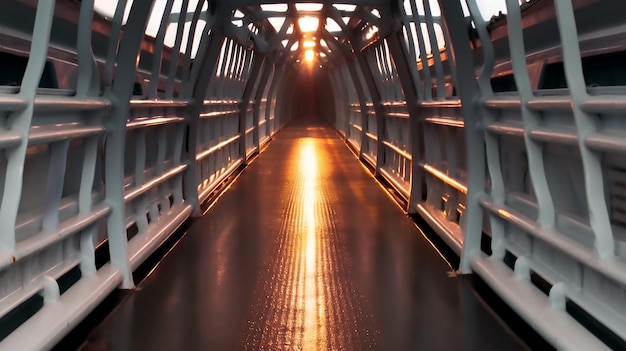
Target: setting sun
[309,55]
[308,24]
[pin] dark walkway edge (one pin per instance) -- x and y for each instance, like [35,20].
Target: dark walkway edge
[390,324]
[77,338]
[497,306]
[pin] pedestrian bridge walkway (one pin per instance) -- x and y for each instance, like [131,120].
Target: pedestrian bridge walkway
[497,125]
[304,251]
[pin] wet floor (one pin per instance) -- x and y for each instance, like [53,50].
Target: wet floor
[305,251]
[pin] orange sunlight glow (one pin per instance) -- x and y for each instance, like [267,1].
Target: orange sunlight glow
[314,305]
[309,55]
[308,24]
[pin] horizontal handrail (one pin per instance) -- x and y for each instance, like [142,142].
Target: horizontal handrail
[398,151]
[563,135]
[371,136]
[604,104]
[394,104]
[504,103]
[134,193]
[12,103]
[68,104]
[206,153]
[551,103]
[442,121]
[208,102]
[514,128]
[9,139]
[210,115]
[603,141]
[152,122]
[456,184]
[158,103]
[38,242]
[612,268]
[58,132]
[398,115]
[456,103]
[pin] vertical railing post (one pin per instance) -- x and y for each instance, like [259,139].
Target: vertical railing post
[258,96]
[531,119]
[121,93]
[403,66]
[368,76]
[257,64]
[88,84]
[210,47]
[492,144]
[270,93]
[22,119]
[360,93]
[604,244]
[467,88]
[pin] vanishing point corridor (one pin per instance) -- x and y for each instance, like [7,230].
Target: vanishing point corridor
[305,251]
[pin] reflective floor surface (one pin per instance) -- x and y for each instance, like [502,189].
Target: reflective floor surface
[305,251]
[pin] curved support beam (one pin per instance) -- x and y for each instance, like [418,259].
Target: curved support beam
[121,93]
[400,57]
[257,64]
[212,45]
[467,88]
[234,4]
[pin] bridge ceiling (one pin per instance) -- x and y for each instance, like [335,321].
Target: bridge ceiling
[307,32]
[289,32]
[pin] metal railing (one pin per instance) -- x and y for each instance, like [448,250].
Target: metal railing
[99,170]
[515,160]
[513,153]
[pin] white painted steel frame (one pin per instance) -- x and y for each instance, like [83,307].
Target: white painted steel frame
[128,170]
